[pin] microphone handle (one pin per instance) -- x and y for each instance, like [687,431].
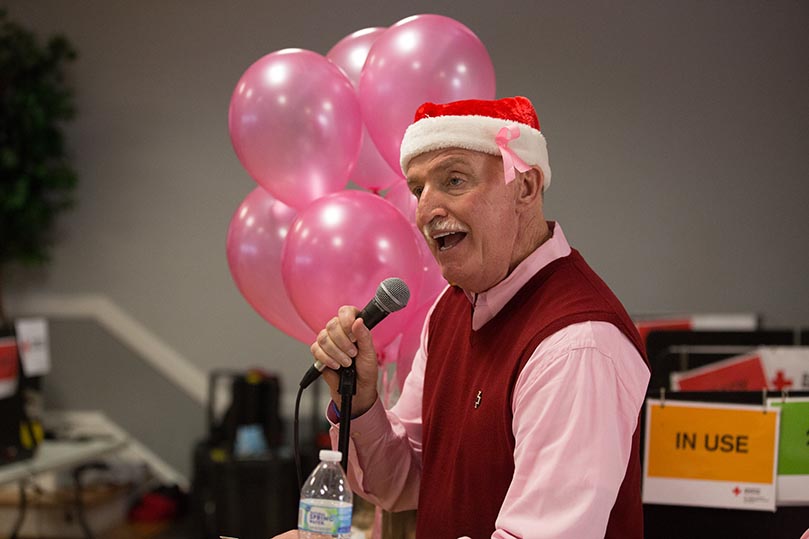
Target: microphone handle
[371,315]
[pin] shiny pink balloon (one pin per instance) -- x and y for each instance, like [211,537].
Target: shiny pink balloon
[350,52]
[295,124]
[371,171]
[255,237]
[400,196]
[338,251]
[409,344]
[420,58]
[431,287]
[433,282]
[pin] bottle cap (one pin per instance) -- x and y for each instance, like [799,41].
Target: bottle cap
[330,456]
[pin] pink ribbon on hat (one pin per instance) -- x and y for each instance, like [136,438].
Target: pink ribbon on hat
[510,159]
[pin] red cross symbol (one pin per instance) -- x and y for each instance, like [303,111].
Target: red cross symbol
[737,491]
[780,382]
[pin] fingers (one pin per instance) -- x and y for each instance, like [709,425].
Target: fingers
[335,346]
[345,339]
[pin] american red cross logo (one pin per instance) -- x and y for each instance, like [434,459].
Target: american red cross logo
[737,491]
[780,382]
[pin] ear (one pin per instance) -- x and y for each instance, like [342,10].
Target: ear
[531,182]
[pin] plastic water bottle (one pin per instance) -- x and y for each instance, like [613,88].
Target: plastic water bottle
[326,501]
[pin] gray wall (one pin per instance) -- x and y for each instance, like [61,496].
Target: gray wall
[92,371]
[678,136]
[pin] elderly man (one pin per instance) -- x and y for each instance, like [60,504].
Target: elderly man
[520,415]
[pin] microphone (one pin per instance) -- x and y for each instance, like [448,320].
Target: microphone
[391,296]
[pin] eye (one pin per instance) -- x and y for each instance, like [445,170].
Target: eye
[454,181]
[416,190]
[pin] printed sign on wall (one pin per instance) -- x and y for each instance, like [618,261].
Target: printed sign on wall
[793,451]
[743,373]
[710,455]
[773,367]
[32,338]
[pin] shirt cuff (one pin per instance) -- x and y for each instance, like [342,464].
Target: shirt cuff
[372,422]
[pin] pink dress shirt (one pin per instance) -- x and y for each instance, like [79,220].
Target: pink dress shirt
[583,386]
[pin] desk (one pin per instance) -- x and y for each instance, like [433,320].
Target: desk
[54,455]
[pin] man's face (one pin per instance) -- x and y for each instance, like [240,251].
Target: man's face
[467,214]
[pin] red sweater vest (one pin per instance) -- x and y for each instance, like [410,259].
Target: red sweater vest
[467,460]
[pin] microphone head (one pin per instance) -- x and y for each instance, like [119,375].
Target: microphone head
[392,294]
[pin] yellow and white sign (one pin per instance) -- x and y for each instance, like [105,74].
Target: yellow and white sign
[710,455]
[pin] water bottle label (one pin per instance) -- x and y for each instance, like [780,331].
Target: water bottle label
[315,516]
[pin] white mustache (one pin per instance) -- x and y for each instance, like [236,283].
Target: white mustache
[439,226]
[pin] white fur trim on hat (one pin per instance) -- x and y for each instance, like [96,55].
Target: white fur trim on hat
[475,133]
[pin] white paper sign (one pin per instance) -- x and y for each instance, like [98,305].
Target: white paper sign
[32,339]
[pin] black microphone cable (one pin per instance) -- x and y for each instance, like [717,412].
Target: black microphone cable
[296,438]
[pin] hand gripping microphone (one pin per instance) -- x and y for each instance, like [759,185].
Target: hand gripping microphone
[391,295]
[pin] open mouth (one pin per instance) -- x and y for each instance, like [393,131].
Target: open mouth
[448,240]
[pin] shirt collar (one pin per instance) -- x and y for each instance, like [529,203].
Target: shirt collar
[488,304]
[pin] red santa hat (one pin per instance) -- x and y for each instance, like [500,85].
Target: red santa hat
[506,127]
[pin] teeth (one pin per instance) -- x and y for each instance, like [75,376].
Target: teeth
[440,237]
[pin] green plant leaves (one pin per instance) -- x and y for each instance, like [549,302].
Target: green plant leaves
[36,179]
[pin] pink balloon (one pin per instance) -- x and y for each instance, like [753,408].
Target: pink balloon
[390,352]
[371,171]
[295,124]
[255,237]
[420,58]
[400,196]
[409,344]
[338,251]
[432,285]
[433,282]
[350,52]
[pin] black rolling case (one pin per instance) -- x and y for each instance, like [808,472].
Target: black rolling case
[249,497]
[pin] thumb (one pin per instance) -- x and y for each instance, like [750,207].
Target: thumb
[364,341]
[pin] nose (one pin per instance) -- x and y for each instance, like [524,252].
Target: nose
[430,206]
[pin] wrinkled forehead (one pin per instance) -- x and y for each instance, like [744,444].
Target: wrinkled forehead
[451,159]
